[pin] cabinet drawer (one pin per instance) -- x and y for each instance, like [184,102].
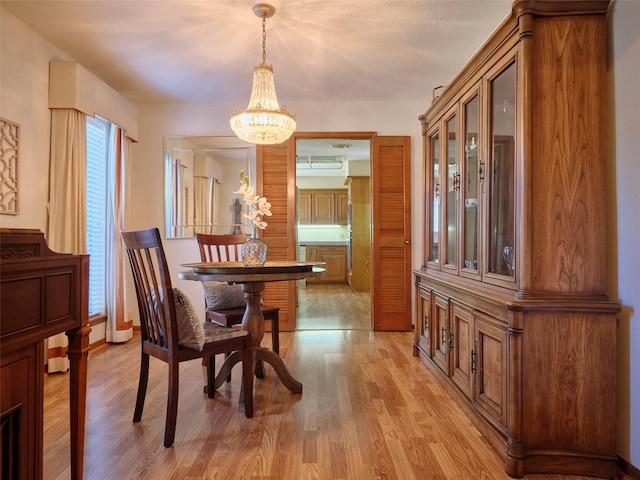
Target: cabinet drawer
[333,250]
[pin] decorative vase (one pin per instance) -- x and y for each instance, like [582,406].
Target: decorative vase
[254,251]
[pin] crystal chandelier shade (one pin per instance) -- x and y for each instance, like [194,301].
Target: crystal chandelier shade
[264,122]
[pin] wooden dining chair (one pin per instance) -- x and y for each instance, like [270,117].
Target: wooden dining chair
[172,332]
[225,304]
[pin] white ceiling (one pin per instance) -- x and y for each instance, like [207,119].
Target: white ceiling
[191,50]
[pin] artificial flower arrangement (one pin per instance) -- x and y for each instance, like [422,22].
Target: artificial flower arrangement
[259,207]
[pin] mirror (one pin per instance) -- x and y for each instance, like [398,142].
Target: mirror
[201,174]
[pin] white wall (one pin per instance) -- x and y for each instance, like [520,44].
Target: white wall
[24,99]
[623,131]
[24,58]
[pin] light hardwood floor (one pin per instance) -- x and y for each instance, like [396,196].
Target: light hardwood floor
[369,410]
[332,306]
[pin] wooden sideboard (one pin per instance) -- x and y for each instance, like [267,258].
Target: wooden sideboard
[512,311]
[42,293]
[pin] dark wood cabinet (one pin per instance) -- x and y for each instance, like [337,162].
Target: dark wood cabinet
[42,293]
[514,271]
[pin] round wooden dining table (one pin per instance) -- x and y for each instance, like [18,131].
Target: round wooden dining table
[252,281]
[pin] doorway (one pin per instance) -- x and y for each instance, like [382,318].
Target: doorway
[390,226]
[333,226]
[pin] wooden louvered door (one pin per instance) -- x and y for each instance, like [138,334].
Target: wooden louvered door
[275,179]
[391,241]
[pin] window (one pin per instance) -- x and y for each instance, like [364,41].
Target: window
[97,160]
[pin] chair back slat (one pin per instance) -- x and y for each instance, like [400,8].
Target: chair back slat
[153,287]
[220,248]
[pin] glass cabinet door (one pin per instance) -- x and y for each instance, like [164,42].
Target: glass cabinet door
[471,112]
[501,195]
[453,183]
[434,168]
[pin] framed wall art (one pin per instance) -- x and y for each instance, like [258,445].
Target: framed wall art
[9,143]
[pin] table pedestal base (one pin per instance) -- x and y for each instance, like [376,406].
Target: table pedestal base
[261,354]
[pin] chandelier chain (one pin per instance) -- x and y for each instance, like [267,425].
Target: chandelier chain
[264,37]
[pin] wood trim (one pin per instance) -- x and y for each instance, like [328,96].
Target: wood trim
[626,471]
[560,7]
[343,135]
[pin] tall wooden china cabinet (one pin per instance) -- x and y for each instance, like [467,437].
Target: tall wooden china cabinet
[511,304]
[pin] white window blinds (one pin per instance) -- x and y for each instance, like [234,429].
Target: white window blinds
[97,149]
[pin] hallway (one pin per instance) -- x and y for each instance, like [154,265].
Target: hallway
[332,307]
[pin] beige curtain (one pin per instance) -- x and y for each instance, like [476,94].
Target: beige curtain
[67,202]
[118,328]
[204,194]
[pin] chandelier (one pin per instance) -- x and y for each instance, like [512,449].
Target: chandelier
[264,121]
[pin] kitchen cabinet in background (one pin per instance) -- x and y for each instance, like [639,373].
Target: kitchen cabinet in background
[322,207]
[335,259]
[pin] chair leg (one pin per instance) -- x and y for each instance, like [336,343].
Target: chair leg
[246,392]
[211,375]
[275,333]
[142,387]
[172,404]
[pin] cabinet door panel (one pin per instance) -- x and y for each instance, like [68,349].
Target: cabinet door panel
[342,207]
[304,208]
[491,380]
[324,207]
[424,322]
[336,266]
[335,259]
[441,333]
[461,343]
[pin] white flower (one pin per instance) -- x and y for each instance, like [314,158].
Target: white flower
[259,206]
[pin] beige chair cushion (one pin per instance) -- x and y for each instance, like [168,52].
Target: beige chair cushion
[190,328]
[221,295]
